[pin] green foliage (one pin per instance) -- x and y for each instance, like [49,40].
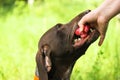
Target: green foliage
[22,25]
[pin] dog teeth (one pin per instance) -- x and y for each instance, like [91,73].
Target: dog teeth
[76,40]
[79,39]
[91,30]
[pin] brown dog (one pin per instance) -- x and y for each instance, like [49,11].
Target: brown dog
[58,50]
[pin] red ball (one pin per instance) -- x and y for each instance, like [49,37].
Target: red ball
[86,28]
[77,32]
[83,33]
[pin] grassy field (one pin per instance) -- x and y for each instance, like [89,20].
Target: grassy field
[22,26]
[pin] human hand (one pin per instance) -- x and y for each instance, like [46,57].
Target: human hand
[97,21]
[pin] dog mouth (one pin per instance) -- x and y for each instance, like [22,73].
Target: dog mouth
[87,36]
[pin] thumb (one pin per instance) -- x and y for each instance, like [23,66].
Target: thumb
[81,24]
[81,27]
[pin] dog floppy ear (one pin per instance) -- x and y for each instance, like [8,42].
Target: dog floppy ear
[43,62]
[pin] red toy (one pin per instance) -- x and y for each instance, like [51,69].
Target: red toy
[83,33]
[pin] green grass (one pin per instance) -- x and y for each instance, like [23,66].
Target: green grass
[22,27]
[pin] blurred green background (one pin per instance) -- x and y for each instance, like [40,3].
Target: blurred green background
[22,22]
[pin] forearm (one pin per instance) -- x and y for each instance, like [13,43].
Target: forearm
[109,8]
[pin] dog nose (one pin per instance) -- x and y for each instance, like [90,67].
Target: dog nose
[87,11]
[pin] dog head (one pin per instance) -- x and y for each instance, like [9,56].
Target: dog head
[59,43]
